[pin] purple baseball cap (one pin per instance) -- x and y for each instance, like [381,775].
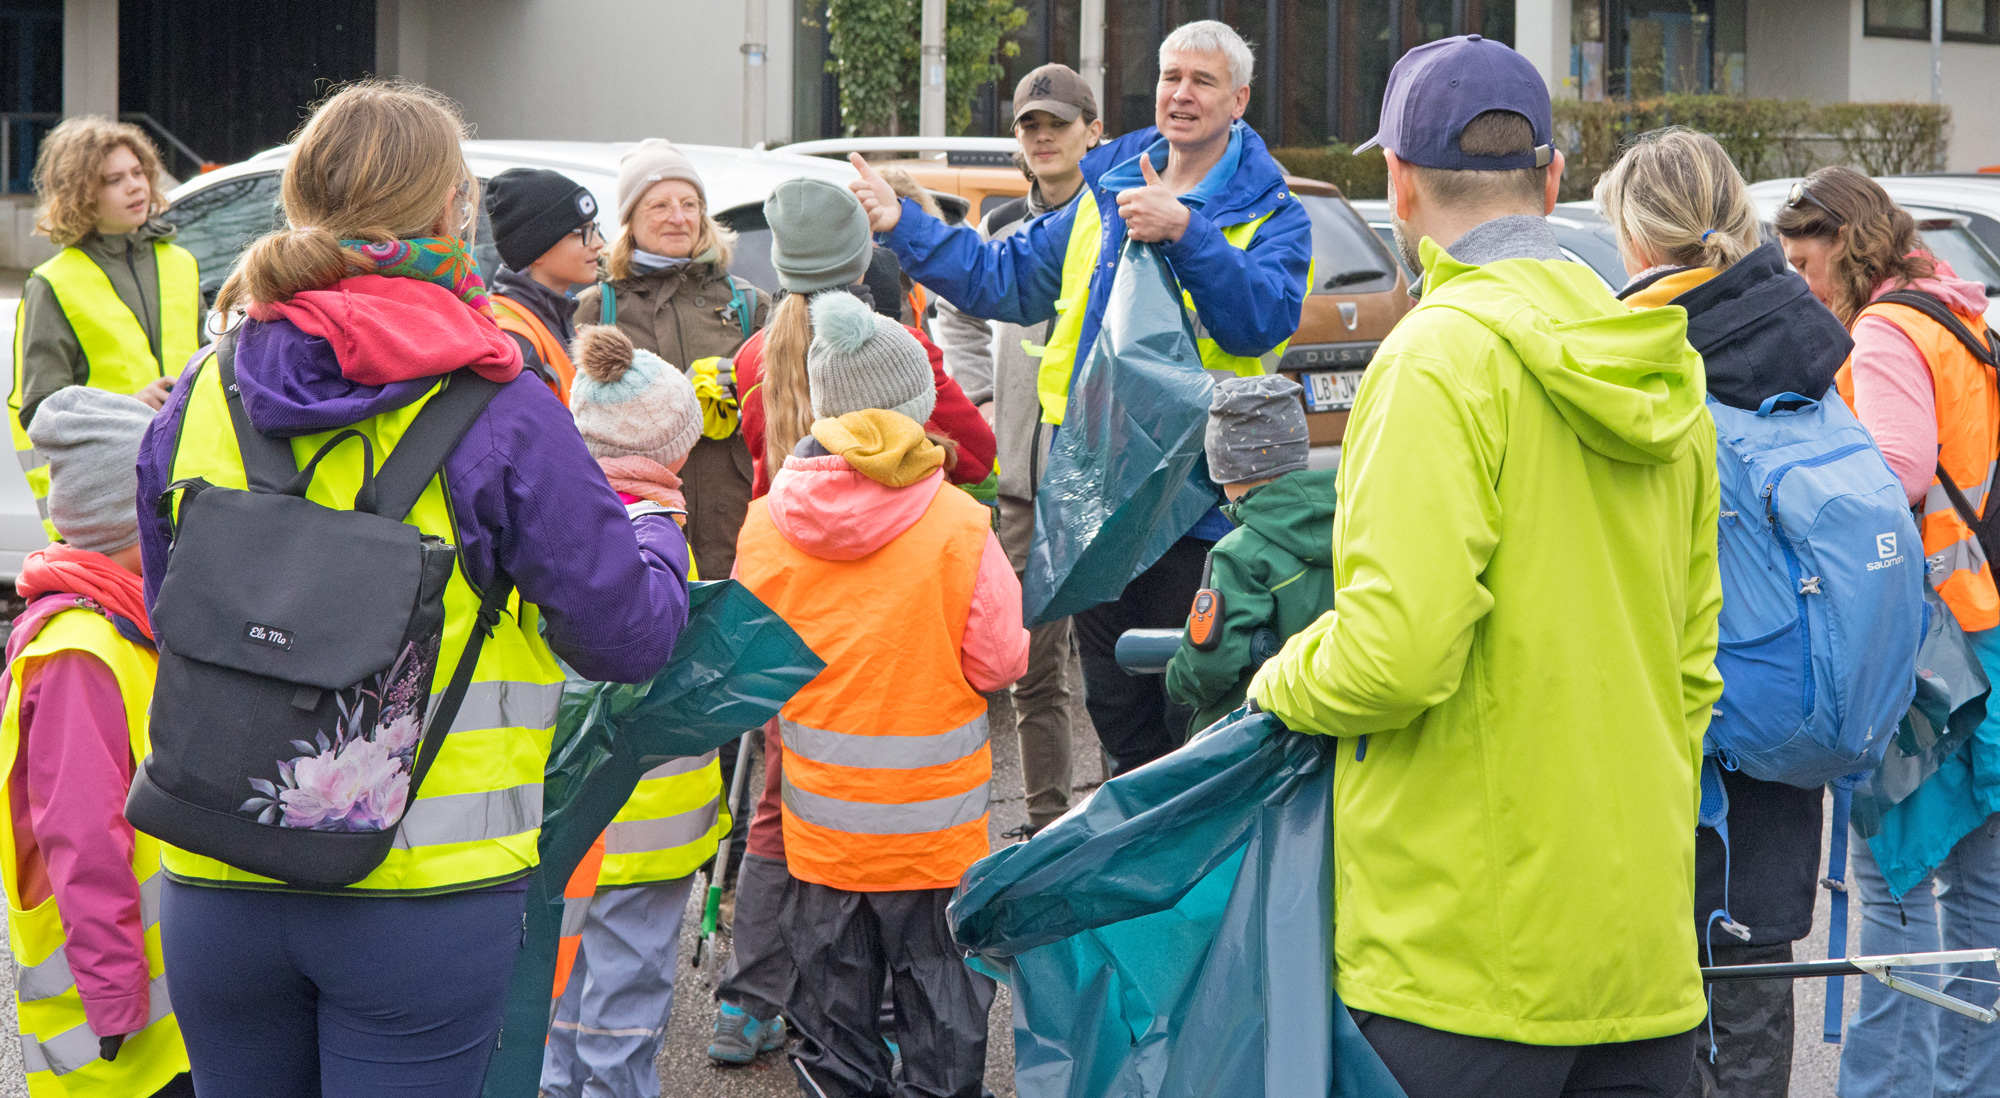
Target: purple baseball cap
[1440,86]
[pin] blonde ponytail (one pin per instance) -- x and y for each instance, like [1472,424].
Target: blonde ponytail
[788,414]
[378,160]
[1675,196]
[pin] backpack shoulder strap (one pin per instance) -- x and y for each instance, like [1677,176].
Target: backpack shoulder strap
[607,304]
[268,464]
[1930,306]
[743,299]
[432,436]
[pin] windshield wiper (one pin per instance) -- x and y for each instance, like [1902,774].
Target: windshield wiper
[1349,278]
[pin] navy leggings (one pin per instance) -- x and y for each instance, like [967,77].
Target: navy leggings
[282,993]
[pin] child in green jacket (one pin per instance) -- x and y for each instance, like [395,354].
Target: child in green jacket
[1274,572]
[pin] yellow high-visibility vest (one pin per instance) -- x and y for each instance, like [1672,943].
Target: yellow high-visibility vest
[60,1049]
[477,817]
[1058,355]
[114,343]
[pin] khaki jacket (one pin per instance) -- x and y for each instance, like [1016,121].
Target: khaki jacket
[683,315]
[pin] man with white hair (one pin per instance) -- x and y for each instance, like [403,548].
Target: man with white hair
[1200,184]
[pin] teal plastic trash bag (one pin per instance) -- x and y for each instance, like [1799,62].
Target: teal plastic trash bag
[1126,476]
[734,667]
[1172,937]
[1951,701]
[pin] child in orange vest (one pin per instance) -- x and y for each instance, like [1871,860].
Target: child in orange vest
[545,229]
[898,583]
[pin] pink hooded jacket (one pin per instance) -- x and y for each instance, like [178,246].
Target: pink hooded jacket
[1893,396]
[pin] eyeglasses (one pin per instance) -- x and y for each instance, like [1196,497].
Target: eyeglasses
[1800,196]
[588,234]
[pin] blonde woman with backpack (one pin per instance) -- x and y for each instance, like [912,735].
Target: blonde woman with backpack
[357,310]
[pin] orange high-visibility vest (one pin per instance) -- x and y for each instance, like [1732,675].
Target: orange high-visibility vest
[514,317]
[577,895]
[886,763]
[1968,421]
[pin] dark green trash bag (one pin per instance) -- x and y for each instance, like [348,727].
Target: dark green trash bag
[1126,475]
[1172,937]
[735,666]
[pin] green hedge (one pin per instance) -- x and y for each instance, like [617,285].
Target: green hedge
[1768,139]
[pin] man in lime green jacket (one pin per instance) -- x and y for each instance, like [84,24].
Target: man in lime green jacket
[1520,661]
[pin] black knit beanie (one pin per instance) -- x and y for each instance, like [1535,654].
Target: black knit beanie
[532,209]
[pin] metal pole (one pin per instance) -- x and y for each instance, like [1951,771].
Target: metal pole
[1333,14]
[1274,65]
[754,12]
[1937,51]
[1090,51]
[930,96]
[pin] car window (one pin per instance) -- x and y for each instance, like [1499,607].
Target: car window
[1348,258]
[1969,258]
[217,223]
[753,247]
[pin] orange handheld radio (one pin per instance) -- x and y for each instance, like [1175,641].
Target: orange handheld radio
[1204,624]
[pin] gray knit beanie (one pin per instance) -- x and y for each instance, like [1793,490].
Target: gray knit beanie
[819,235]
[860,359]
[91,440]
[645,164]
[1256,429]
[628,402]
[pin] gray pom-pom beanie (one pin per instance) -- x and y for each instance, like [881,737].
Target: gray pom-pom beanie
[1256,429]
[91,440]
[860,359]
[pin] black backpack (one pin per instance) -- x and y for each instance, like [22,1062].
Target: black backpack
[292,722]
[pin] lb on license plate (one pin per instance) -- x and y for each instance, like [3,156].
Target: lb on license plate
[1331,390]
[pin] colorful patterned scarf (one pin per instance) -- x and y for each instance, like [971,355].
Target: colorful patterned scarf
[443,260]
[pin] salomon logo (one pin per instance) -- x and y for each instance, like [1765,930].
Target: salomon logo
[1885,545]
[264,634]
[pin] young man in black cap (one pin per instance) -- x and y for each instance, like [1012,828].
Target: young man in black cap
[545,227]
[1056,123]
[1520,663]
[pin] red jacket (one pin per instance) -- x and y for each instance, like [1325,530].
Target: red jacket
[954,417]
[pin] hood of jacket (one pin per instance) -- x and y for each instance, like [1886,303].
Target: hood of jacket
[1245,184]
[1625,381]
[1964,297]
[299,384]
[827,508]
[1294,513]
[1758,328]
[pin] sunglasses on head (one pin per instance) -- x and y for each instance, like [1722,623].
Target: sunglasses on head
[1800,196]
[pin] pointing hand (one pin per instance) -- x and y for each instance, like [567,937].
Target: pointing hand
[879,199]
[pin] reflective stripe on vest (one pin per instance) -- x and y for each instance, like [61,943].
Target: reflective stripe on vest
[476,819]
[669,826]
[1968,420]
[58,1048]
[1058,356]
[886,763]
[116,350]
[522,321]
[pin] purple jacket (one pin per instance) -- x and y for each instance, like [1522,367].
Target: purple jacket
[528,498]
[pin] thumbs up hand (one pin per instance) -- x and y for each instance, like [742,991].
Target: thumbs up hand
[877,197]
[1152,213]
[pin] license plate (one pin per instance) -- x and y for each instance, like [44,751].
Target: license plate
[1331,390]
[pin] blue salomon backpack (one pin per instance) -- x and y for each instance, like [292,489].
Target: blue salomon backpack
[1823,576]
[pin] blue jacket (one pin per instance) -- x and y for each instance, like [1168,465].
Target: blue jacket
[1249,300]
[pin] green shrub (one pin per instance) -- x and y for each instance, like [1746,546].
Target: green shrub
[1363,176]
[1767,138]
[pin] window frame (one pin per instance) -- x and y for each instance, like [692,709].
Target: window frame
[1990,36]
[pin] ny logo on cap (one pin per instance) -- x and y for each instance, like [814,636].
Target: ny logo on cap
[1040,86]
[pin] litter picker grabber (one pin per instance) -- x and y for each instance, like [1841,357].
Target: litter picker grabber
[711,911]
[1883,968]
